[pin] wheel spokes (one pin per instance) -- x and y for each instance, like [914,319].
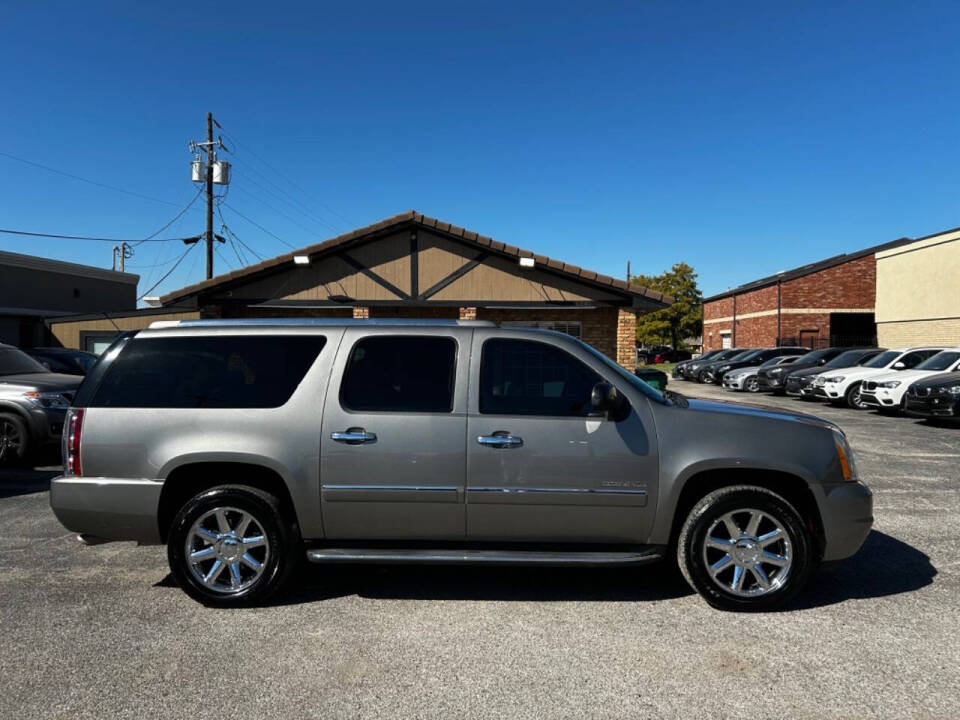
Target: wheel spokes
[721,565]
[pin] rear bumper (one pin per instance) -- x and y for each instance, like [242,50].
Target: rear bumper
[846,510]
[108,508]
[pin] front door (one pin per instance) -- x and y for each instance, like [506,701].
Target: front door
[540,468]
[393,435]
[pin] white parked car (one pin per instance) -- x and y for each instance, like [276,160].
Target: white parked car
[842,386]
[889,391]
[748,378]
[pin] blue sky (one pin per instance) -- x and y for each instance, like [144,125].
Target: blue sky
[742,138]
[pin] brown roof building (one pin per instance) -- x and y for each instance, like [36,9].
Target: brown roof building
[409,265]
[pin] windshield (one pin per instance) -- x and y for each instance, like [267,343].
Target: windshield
[883,359]
[815,356]
[625,374]
[750,355]
[740,355]
[940,361]
[16,362]
[781,360]
[846,359]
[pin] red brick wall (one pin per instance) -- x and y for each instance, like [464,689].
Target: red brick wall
[850,285]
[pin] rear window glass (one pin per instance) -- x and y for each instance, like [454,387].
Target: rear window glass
[408,373]
[252,371]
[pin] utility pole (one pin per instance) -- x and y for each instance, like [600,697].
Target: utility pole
[211,171]
[210,154]
[121,253]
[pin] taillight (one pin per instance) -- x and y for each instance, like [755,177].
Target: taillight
[71,435]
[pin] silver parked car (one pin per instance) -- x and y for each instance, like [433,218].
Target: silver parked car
[248,445]
[748,379]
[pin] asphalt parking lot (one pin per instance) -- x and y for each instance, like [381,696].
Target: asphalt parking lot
[103,631]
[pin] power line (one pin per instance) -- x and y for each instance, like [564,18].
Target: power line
[289,199]
[169,272]
[258,225]
[86,180]
[176,217]
[282,214]
[286,178]
[93,239]
[233,236]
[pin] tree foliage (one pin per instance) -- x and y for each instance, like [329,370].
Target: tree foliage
[681,320]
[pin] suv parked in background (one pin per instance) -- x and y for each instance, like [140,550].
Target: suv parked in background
[801,382]
[33,402]
[842,387]
[888,393]
[261,442]
[935,398]
[680,368]
[710,372]
[746,378]
[756,358]
[63,360]
[775,378]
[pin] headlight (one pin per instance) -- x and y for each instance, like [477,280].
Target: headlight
[834,379]
[844,456]
[724,368]
[49,400]
[953,389]
[776,371]
[890,384]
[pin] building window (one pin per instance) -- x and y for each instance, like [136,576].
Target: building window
[570,327]
[96,342]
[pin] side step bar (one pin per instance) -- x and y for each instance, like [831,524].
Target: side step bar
[640,556]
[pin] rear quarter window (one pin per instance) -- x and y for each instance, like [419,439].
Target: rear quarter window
[250,371]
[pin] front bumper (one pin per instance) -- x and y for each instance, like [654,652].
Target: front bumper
[770,383]
[108,508]
[934,406]
[828,392]
[734,383]
[846,510]
[46,425]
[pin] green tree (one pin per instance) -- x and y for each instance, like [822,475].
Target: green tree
[681,320]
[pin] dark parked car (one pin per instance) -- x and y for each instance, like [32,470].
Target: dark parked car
[680,368]
[691,369]
[709,372]
[936,397]
[775,378]
[801,382]
[63,360]
[33,403]
[669,356]
[647,355]
[714,372]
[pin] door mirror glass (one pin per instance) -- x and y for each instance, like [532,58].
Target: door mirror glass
[899,366]
[607,399]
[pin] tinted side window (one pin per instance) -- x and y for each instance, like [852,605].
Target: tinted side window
[389,373]
[911,360]
[254,371]
[522,377]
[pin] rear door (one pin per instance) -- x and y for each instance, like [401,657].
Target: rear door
[392,446]
[540,468]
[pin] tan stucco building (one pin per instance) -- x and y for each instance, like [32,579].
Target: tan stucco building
[411,266]
[918,292]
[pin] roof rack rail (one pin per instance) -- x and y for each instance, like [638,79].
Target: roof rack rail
[318,322]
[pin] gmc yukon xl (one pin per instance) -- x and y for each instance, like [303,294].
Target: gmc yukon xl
[247,446]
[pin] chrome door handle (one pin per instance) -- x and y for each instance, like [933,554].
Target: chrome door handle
[354,436]
[500,441]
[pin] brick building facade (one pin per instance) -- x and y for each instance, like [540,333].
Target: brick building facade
[831,302]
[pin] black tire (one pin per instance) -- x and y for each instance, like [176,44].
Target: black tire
[693,556]
[852,398]
[14,440]
[278,561]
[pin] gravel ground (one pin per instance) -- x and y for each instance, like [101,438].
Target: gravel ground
[104,632]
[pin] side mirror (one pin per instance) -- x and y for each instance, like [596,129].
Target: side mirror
[898,366]
[821,361]
[45,364]
[607,399]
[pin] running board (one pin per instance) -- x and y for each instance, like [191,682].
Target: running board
[641,556]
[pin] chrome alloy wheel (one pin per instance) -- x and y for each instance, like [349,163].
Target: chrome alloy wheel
[748,553]
[10,440]
[227,550]
[753,384]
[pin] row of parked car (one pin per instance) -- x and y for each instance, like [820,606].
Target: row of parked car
[918,381]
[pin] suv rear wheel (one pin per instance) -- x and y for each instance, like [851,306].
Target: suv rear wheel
[231,546]
[745,548]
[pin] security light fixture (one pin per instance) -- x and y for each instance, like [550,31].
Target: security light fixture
[526,262]
[301,259]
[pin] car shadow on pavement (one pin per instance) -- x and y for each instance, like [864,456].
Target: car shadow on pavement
[542,584]
[25,481]
[883,566]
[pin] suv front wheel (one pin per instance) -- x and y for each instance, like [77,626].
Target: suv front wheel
[745,548]
[231,546]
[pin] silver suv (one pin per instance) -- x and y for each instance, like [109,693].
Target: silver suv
[246,446]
